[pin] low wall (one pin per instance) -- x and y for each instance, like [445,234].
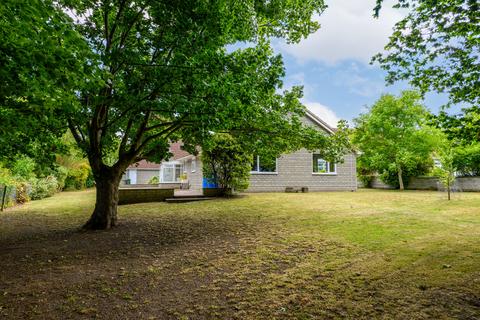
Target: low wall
[432,183]
[377,183]
[137,195]
[424,183]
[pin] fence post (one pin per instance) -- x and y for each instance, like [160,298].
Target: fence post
[3,197]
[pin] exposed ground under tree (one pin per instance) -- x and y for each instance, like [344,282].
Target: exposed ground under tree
[369,254]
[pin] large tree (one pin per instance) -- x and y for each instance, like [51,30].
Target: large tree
[41,63]
[163,73]
[436,47]
[392,135]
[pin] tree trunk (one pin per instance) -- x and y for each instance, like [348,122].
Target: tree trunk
[448,189]
[400,178]
[104,215]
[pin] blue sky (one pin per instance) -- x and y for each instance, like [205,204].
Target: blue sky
[333,63]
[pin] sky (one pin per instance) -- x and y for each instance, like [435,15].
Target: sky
[333,64]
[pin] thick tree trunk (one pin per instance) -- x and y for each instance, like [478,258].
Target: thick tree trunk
[400,178]
[104,215]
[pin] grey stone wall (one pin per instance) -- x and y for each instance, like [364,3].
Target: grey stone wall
[432,183]
[468,183]
[136,195]
[295,170]
[423,183]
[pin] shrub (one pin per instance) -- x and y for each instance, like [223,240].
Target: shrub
[6,178]
[44,187]
[61,174]
[226,163]
[390,175]
[24,168]
[22,192]
[90,183]
[153,180]
[77,177]
[467,160]
[366,180]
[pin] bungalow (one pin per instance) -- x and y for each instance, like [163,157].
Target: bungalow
[294,170]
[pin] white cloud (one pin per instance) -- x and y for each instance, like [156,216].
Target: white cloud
[357,83]
[323,112]
[348,31]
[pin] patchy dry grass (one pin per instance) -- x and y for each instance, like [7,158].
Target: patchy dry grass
[369,254]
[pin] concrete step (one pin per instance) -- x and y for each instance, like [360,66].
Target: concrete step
[185,196]
[187,199]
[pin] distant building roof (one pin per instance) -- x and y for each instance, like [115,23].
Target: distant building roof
[176,151]
[144,164]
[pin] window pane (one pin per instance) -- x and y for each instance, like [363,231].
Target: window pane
[267,164]
[319,165]
[167,174]
[178,172]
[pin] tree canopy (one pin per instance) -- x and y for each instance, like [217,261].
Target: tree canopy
[226,162]
[41,59]
[392,136]
[436,48]
[160,71]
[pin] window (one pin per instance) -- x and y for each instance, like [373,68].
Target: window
[171,172]
[194,165]
[264,165]
[322,166]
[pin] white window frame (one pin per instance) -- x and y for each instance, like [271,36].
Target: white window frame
[256,170]
[328,173]
[193,167]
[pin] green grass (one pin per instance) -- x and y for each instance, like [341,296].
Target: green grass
[367,254]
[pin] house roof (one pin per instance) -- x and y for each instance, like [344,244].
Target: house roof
[319,121]
[176,151]
[144,164]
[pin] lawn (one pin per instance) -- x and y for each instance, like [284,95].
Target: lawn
[367,254]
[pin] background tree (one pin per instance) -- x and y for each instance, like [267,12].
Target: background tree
[41,63]
[446,171]
[226,162]
[436,47]
[393,138]
[165,74]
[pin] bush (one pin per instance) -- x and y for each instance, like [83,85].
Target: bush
[467,160]
[390,176]
[61,174]
[153,180]
[90,183]
[366,180]
[23,190]
[24,168]
[77,177]
[226,163]
[44,187]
